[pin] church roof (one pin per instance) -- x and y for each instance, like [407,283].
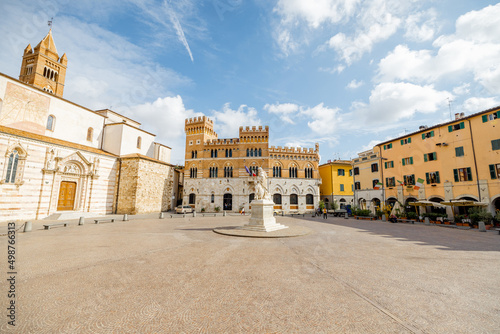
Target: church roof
[48,43]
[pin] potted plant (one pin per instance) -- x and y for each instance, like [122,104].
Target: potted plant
[411,215]
[479,214]
[217,208]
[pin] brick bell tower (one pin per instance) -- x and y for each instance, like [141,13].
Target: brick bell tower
[199,130]
[42,68]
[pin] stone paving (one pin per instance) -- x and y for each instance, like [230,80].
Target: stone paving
[177,276]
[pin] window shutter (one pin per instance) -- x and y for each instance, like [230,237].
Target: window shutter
[402,142]
[437,178]
[423,135]
[493,172]
[450,128]
[403,161]
[384,147]
[411,160]
[427,178]
[385,164]
[498,114]
[425,157]
[409,140]
[387,182]
[469,174]
[485,118]
[434,156]
[462,125]
[455,174]
[432,133]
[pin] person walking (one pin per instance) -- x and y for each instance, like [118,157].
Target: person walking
[243,211]
[325,215]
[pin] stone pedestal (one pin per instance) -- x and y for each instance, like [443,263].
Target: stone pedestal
[262,219]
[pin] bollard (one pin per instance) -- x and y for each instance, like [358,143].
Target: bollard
[81,221]
[346,216]
[481,227]
[162,215]
[384,218]
[27,227]
[125,217]
[427,221]
[224,214]
[194,213]
[183,215]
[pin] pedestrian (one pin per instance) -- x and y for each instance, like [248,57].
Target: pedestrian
[243,211]
[325,215]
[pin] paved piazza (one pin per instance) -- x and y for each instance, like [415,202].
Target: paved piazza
[178,276]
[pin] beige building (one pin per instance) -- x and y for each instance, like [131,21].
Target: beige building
[215,173]
[60,157]
[368,190]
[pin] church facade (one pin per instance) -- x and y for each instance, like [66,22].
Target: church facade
[59,157]
[219,172]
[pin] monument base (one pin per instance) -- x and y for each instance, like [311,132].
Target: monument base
[262,219]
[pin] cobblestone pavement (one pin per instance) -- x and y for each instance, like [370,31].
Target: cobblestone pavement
[178,276]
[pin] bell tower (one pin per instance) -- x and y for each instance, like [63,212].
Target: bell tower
[199,130]
[42,68]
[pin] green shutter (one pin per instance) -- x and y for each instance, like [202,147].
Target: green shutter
[495,144]
[402,142]
[469,174]
[485,118]
[423,135]
[434,155]
[432,133]
[498,114]
[425,157]
[390,145]
[409,140]
[403,161]
[427,178]
[450,128]
[384,147]
[462,125]
[455,174]
[437,178]
[493,172]
[411,160]
[385,164]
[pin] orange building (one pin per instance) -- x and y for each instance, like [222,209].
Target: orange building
[215,169]
[459,159]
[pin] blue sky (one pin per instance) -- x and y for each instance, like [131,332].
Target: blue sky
[344,73]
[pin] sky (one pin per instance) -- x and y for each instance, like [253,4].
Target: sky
[346,74]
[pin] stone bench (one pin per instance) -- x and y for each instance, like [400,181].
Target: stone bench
[48,226]
[365,218]
[209,215]
[408,221]
[97,221]
[498,229]
[296,213]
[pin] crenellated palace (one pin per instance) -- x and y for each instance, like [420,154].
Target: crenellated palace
[216,173]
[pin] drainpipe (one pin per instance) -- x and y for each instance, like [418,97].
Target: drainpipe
[118,184]
[475,162]
[382,175]
[331,179]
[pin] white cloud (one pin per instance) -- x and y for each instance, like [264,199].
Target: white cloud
[323,119]
[351,49]
[315,12]
[165,117]
[421,26]
[284,110]
[462,89]
[473,50]
[476,104]
[391,102]
[355,84]
[228,121]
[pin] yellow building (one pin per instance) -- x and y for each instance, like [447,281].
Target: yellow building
[459,159]
[367,180]
[215,173]
[336,183]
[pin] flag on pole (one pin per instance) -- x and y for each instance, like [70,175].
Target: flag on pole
[378,186]
[420,183]
[248,171]
[401,183]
